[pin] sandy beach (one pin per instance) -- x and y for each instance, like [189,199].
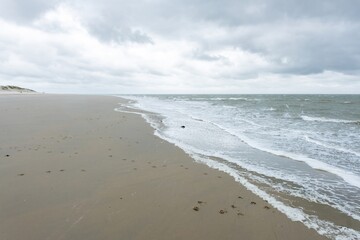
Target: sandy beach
[73,168]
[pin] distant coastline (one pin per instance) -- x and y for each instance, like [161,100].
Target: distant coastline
[9,89]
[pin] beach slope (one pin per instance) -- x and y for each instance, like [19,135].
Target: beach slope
[73,168]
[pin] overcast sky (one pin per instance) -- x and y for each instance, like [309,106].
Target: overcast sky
[181,46]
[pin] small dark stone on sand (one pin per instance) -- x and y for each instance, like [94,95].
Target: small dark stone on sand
[205,174]
[240,214]
[253,203]
[153,166]
[61,170]
[267,207]
[200,202]
[110,155]
[222,211]
[21,174]
[7,155]
[182,126]
[240,197]
[83,170]
[48,171]
[196,208]
[233,206]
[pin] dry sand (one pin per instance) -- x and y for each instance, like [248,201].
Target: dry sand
[73,168]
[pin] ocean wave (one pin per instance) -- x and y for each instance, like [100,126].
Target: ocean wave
[347,176]
[323,227]
[270,109]
[340,149]
[329,120]
[229,99]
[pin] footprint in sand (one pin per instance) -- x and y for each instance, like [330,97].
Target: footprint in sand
[240,214]
[83,170]
[233,206]
[222,211]
[48,171]
[196,208]
[267,207]
[153,166]
[205,174]
[253,203]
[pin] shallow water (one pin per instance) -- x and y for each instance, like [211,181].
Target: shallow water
[299,152]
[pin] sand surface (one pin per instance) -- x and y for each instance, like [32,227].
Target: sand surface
[73,168]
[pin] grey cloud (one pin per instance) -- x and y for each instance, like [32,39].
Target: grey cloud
[23,11]
[202,55]
[295,37]
[308,51]
[108,32]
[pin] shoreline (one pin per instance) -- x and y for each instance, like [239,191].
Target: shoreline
[91,172]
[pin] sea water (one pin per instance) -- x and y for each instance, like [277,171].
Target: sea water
[301,153]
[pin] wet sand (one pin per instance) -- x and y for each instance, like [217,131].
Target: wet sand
[73,168]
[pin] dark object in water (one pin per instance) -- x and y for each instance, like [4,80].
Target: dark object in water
[183,126]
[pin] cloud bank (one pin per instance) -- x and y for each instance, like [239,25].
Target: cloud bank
[158,46]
